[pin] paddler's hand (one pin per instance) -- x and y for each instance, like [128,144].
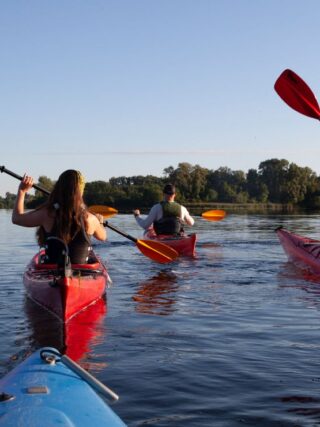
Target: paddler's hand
[100,218]
[26,183]
[136,212]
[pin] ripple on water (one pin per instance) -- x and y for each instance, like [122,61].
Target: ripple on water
[230,338]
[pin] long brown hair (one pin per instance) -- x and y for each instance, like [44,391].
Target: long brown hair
[66,204]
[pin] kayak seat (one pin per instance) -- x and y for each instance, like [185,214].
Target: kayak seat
[55,252]
[42,264]
[84,267]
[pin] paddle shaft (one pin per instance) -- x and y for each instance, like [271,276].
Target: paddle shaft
[90,379]
[133,239]
[20,178]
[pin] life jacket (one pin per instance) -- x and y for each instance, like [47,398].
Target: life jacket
[170,223]
[78,248]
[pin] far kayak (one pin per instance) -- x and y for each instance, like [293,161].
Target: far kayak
[48,389]
[185,244]
[65,291]
[302,251]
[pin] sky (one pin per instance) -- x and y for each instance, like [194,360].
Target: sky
[130,87]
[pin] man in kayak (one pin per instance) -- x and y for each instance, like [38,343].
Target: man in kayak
[63,220]
[168,216]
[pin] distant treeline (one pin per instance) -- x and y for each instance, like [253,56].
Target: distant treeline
[275,182]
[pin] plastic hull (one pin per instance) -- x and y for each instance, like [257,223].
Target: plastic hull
[302,251]
[65,296]
[51,395]
[185,245]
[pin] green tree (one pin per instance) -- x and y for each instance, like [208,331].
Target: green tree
[151,194]
[226,183]
[299,181]
[168,172]
[181,177]
[45,183]
[198,182]
[98,193]
[273,174]
[257,190]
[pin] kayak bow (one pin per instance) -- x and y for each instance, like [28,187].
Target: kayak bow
[49,389]
[301,251]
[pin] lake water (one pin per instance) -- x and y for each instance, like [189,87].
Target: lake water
[231,338]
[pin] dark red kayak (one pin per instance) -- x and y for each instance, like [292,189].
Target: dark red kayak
[185,244]
[302,251]
[65,291]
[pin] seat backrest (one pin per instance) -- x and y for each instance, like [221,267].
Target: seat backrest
[56,251]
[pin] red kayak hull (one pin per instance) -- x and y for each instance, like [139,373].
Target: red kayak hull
[65,296]
[302,251]
[185,245]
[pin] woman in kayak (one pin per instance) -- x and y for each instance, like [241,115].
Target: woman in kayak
[62,220]
[168,216]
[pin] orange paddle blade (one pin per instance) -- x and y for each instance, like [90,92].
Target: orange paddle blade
[157,251]
[105,211]
[214,215]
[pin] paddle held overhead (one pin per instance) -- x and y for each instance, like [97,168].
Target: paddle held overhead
[20,178]
[297,94]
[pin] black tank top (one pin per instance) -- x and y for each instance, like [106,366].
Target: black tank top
[78,248]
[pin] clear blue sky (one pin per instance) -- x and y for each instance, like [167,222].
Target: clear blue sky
[129,87]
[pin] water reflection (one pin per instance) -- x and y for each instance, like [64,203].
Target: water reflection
[74,338]
[157,295]
[303,405]
[209,245]
[292,277]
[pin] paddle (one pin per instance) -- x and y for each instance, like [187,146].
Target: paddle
[51,355]
[297,94]
[214,215]
[157,251]
[20,178]
[105,211]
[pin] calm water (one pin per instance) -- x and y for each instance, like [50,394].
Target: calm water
[231,338]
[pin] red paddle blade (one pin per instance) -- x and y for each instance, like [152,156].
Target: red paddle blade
[157,251]
[297,94]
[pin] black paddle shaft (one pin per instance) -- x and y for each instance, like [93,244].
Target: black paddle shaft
[133,239]
[20,178]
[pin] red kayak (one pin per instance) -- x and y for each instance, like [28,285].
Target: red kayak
[302,251]
[68,290]
[185,244]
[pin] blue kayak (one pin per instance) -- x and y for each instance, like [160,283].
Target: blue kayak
[49,389]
